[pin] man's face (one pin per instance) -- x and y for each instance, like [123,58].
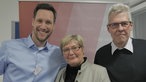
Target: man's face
[119,27]
[43,25]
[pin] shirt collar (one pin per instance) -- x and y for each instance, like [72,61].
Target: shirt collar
[31,44]
[128,46]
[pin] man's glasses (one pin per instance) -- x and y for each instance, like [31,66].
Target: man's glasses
[116,25]
[74,49]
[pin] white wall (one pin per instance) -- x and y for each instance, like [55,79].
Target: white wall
[8,13]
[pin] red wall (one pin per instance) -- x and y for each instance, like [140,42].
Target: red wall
[72,18]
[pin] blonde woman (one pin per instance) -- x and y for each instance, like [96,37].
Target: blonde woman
[78,68]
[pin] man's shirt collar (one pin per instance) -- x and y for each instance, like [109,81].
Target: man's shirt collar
[128,46]
[31,44]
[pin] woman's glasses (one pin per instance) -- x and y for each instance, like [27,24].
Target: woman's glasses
[74,49]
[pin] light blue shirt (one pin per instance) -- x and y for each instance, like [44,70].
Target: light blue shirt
[22,61]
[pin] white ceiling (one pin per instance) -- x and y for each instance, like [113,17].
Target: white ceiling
[133,3]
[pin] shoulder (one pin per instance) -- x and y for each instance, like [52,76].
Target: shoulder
[61,72]
[97,67]
[97,70]
[139,42]
[56,54]
[104,49]
[52,46]
[60,75]
[105,46]
[12,42]
[12,45]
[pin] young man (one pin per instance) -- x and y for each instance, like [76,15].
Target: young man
[124,57]
[33,59]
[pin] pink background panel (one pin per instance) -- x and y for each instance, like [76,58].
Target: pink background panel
[72,18]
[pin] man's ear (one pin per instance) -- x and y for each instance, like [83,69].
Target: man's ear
[108,29]
[32,22]
[131,26]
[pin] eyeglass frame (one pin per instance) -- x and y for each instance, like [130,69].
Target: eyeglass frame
[73,49]
[122,23]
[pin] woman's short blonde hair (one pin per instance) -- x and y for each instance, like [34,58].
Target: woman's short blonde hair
[69,38]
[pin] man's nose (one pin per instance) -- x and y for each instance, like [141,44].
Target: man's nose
[120,27]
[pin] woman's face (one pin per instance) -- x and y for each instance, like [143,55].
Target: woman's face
[73,53]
